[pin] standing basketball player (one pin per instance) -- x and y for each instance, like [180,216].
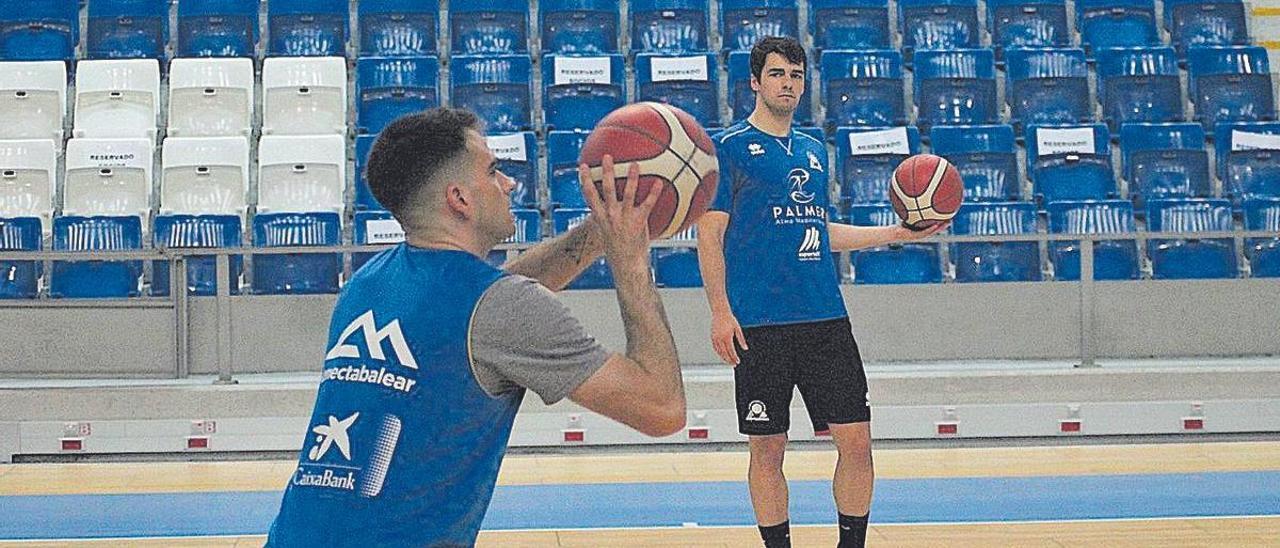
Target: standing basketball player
[776,311]
[430,349]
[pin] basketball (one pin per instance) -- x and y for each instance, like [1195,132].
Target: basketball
[676,158]
[926,190]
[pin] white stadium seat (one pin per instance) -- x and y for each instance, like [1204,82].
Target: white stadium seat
[204,175]
[108,177]
[304,96]
[117,98]
[33,100]
[301,174]
[210,97]
[28,175]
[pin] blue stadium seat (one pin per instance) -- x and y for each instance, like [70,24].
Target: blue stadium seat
[893,264]
[1248,156]
[314,28]
[364,196]
[688,82]
[580,91]
[217,28]
[1027,24]
[1112,259]
[39,30]
[563,148]
[1116,23]
[528,226]
[1048,86]
[744,22]
[96,279]
[996,261]
[1205,23]
[866,158]
[1139,85]
[985,157]
[863,88]
[488,27]
[197,231]
[955,87]
[1165,161]
[742,100]
[1191,258]
[128,29]
[390,87]
[596,276]
[937,24]
[676,267]
[296,273]
[1230,84]
[397,28]
[669,26]
[20,279]
[1264,253]
[579,27]
[496,87]
[373,227]
[849,24]
[1070,162]
[517,155]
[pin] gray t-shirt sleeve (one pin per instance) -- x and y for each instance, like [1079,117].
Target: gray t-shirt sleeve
[522,335]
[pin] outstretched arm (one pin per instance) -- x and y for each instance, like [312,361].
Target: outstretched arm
[849,237]
[556,262]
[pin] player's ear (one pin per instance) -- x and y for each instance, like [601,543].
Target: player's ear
[459,200]
[755,83]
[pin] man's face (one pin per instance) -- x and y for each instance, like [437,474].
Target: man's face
[781,84]
[492,190]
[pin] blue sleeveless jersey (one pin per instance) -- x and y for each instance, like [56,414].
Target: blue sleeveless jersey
[404,446]
[778,263]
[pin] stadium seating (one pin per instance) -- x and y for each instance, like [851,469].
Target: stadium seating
[108,177]
[1070,162]
[1165,161]
[211,97]
[33,100]
[20,279]
[563,148]
[678,266]
[985,157]
[117,98]
[742,100]
[517,155]
[1027,24]
[596,276]
[488,27]
[96,278]
[688,82]
[937,25]
[1263,253]
[579,27]
[307,28]
[866,158]
[1048,86]
[296,273]
[1205,23]
[849,24]
[496,87]
[745,22]
[217,28]
[1116,23]
[28,176]
[304,95]
[995,261]
[397,28]
[1190,258]
[39,30]
[128,29]
[863,88]
[896,263]
[390,87]
[669,26]
[955,87]
[579,91]
[374,227]
[1230,84]
[1112,259]
[301,174]
[1248,155]
[1139,85]
[182,231]
[204,176]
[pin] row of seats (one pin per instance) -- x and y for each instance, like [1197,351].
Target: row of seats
[49,29]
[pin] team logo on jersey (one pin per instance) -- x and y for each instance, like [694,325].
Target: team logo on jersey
[333,434]
[756,411]
[798,178]
[811,247]
[373,338]
[365,475]
[814,163]
[755,149]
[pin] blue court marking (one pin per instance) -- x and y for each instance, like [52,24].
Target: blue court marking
[576,506]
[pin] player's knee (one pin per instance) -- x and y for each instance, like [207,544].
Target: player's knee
[768,450]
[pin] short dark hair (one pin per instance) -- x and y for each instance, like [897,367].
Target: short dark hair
[410,151]
[786,46]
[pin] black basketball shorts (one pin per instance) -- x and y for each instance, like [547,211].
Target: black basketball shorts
[821,358]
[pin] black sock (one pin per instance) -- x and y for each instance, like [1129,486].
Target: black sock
[776,536]
[853,531]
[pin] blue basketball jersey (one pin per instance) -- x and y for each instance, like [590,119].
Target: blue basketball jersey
[778,263]
[404,446]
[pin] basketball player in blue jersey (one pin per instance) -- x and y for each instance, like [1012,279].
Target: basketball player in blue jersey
[431,350]
[776,310]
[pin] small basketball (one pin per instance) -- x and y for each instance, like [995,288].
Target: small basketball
[676,158]
[926,190]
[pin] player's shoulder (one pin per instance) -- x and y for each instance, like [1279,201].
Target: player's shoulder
[805,137]
[732,133]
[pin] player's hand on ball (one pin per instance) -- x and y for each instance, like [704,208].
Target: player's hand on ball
[616,217]
[724,330]
[903,234]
